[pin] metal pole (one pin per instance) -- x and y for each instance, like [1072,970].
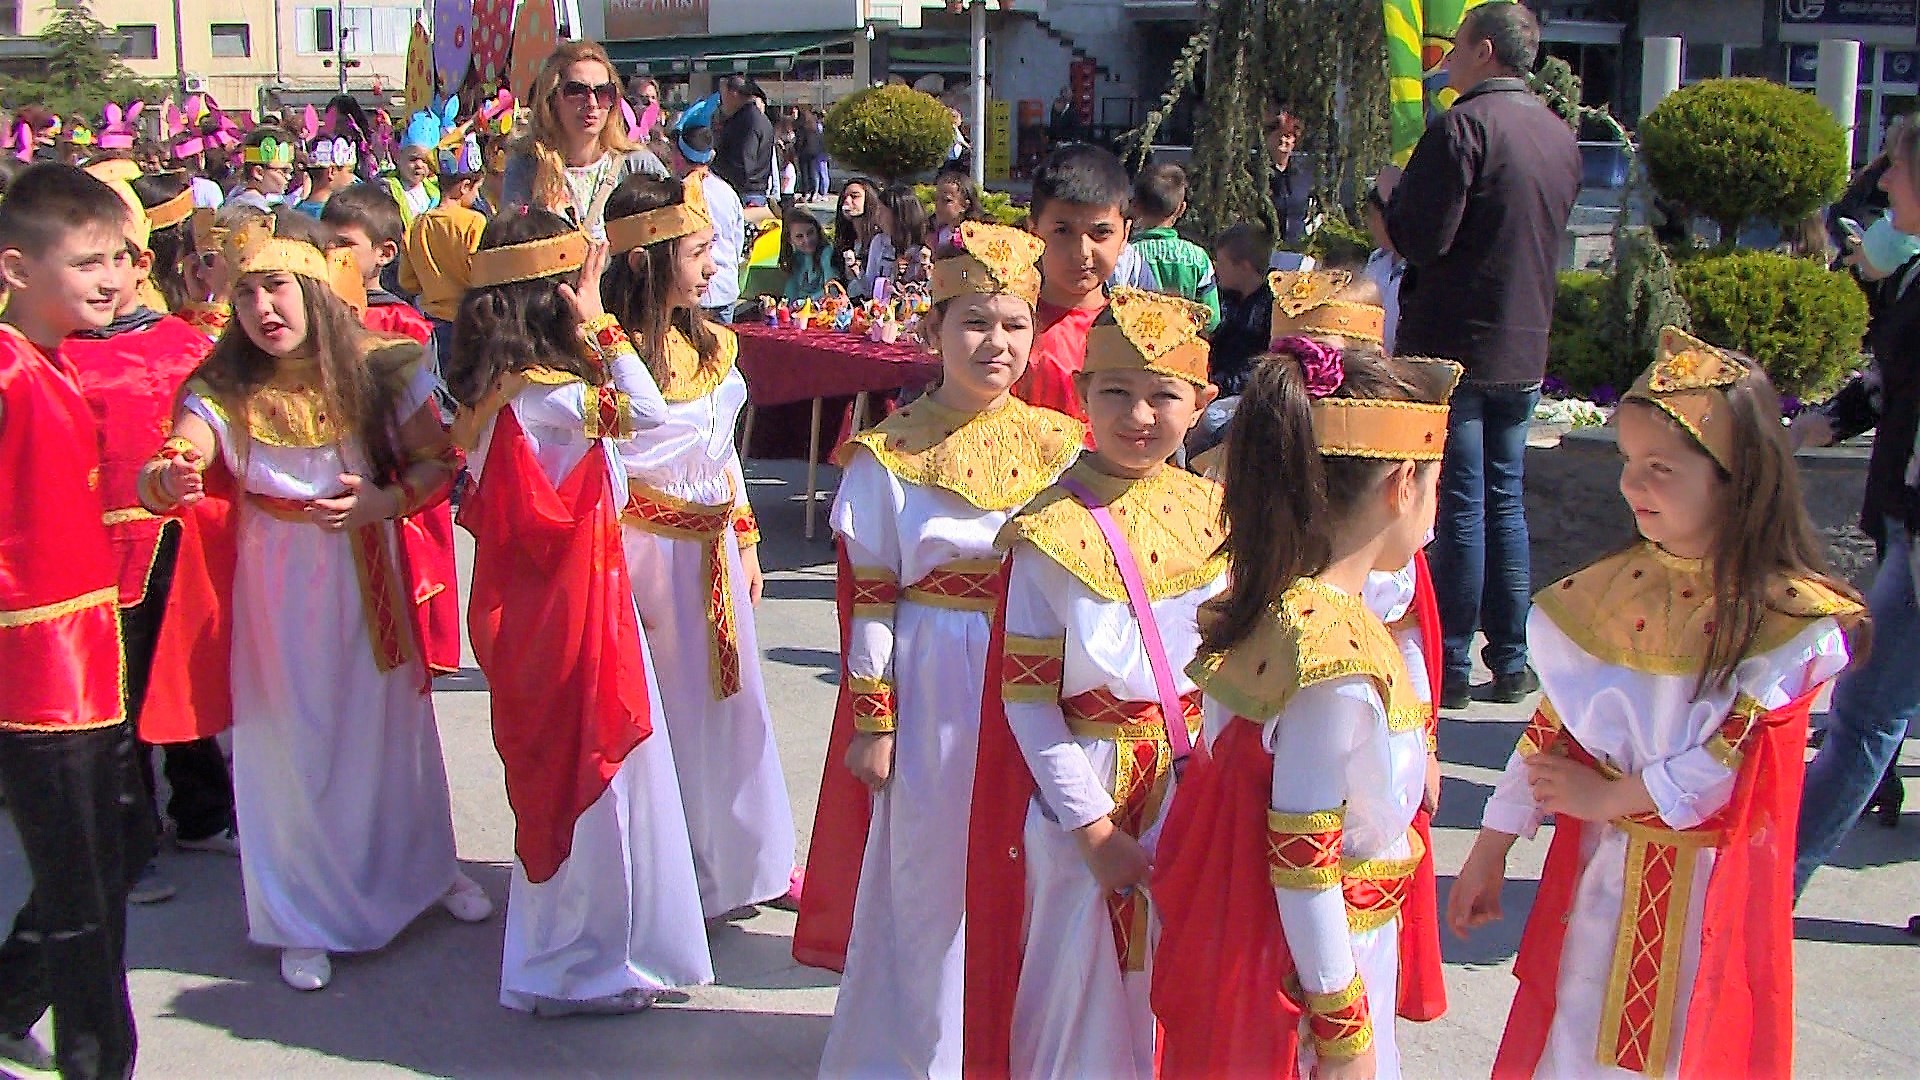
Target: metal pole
[1837,84]
[179,50]
[340,44]
[1659,71]
[979,12]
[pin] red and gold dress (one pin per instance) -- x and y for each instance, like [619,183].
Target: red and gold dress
[1073,730]
[1289,850]
[923,497]
[1699,980]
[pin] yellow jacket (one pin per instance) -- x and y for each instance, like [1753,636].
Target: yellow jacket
[440,247]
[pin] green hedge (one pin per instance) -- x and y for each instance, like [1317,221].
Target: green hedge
[1737,149]
[1580,352]
[1801,321]
[998,205]
[889,132]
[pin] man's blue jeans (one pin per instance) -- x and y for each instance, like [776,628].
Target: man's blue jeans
[1872,704]
[1480,561]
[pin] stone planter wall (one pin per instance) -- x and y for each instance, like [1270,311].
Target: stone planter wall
[1575,514]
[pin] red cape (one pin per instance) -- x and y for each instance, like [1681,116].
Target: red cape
[996,872]
[426,558]
[840,821]
[1740,1018]
[554,628]
[1222,958]
[1423,990]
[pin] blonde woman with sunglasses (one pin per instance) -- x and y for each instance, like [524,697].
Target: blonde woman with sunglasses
[578,149]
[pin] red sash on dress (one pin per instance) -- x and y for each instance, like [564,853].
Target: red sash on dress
[1222,958]
[1740,1016]
[840,820]
[554,628]
[1423,990]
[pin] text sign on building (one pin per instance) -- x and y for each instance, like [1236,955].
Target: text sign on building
[1849,12]
[629,20]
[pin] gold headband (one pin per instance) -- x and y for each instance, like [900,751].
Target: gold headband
[993,259]
[173,211]
[1304,302]
[279,255]
[118,174]
[534,259]
[650,227]
[206,235]
[1144,331]
[1688,381]
[343,277]
[1391,430]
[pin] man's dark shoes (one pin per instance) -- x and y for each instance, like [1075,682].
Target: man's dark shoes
[1455,695]
[1513,689]
[26,1052]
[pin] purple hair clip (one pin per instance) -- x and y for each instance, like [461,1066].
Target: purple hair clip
[1320,364]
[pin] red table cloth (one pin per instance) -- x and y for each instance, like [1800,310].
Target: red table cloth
[786,366]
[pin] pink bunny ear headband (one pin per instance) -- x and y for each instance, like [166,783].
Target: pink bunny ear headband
[122,127]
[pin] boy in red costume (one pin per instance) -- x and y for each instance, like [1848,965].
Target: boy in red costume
[1081,197]
[130,371]
[66,748]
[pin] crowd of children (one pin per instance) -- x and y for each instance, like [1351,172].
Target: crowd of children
[1134,756]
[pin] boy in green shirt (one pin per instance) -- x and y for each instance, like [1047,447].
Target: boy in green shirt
[1180,266]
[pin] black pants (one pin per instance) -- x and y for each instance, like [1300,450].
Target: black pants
[202,801]
[87,831]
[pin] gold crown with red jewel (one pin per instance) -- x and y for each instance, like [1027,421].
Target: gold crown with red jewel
[992,259]
[1145,331]
[650,227]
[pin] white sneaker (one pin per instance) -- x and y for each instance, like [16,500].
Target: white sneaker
[221,843]
[306,969]
[466,900]
[627,1001]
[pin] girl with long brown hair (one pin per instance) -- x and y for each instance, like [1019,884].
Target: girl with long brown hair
[578,148]
[604,911]
[692,546]
[1677,677]
[295,446]
[1288,850]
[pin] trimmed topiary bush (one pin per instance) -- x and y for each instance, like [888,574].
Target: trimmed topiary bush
[1337,243]
[1579,354]
[1801,321]
[1607,325]
[1737,149]
[889,132]
[998,205]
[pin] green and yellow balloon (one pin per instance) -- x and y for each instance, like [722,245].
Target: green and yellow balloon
[1419,36]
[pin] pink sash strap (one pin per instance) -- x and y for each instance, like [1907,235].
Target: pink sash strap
[1171,707]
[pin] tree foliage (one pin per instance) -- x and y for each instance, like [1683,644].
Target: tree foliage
[1801,321]
[1738,149]
[890,132]
[81,76]
[1325,59]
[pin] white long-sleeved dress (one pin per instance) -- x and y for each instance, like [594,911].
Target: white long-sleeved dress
[1649,723]
[623,911]
[735,795]
[1080,1008]
[340,791]
[899,1009]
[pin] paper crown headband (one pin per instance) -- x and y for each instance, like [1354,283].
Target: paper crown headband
[1688,381]
[270,152]
[118,174]
[252,248]
[1146,331]
[993,259]
[173,211]
[1305,303]
[533,259]
[122,127]
[459,153]
[651,227]
[332,153]
[1371,427]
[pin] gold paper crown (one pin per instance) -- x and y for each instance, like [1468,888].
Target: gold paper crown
[1141,330]
[343,276]
[252,248]
[993,259]
[1305,302]
[650,227]
[1391,430]
[117,174]
[173,211]
[271,152]
[1688,381]
[534,259]
[206,235]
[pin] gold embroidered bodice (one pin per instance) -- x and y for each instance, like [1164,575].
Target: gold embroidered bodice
[1171,521]
[996,460]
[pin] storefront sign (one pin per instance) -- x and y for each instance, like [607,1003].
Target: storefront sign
[629,20]
[1890,13]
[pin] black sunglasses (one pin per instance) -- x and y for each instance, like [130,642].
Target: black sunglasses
[574,90]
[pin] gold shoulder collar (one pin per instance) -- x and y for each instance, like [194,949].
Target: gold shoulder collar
[996,460]
[686,376]
[1649,611]
[1316,634]
[546,376]
[1171,520]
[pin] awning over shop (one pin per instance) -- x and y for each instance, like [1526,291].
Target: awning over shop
[722,53]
